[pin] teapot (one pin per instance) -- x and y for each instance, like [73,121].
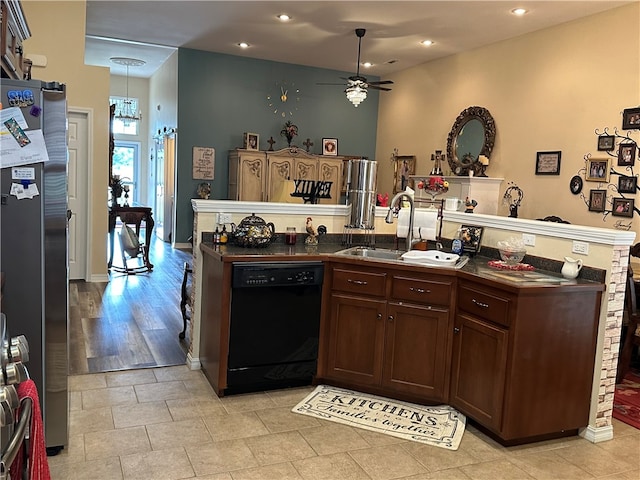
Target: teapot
[253,231]
[571,267]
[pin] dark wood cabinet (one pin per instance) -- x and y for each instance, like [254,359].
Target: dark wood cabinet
[523,359]
[388,331]
[478,369]
[14,32]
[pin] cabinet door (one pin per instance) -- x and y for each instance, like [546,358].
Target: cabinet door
[356,339]
[330,170]
[251,180]
[280,171]
[478,370]
[416,350]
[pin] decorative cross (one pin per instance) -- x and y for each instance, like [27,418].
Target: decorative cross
[271,141]
[308,144]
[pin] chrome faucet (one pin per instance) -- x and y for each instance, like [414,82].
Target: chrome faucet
[394,209]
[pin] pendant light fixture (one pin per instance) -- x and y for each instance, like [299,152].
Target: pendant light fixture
[126,114]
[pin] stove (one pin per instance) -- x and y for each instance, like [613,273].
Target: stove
[14,352]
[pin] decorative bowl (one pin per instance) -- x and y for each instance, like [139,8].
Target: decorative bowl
[511,256]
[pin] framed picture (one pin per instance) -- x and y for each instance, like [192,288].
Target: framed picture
[606,142]
[403,168]
[470,236]
[631,118]
[575,185]
[329,146]
[251,141]
[597,199]
[548,163]
[622,207]
[598,170]
[626,154]
[627,184]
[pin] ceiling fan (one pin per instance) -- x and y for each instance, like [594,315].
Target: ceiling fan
[357,85]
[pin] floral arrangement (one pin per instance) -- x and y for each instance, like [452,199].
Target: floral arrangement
[434,185]
[289,131]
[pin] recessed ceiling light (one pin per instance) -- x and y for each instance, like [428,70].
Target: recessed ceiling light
[519,11]
[284,17]
[367,64]
[243,45]
[426,43]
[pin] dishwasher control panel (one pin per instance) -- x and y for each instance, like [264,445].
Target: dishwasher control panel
[258,274]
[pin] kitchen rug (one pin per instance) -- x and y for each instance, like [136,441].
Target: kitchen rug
[626,400]
[441,426]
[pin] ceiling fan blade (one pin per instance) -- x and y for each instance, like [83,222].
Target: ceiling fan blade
[322,83]
[375,87]
[382,82]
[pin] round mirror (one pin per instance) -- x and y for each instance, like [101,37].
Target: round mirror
[473,134]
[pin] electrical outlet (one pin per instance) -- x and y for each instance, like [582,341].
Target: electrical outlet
[580,247]
[529,240]
[224,218]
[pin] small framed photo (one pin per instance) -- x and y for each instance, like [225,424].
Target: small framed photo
[631,118]
[606,143]
[403,168]
[329,146]
[626,154]
[598,170]
[470,236]
[597,199]
[622,207]
[576,184]
[627,184]
[251,141]
[548,163]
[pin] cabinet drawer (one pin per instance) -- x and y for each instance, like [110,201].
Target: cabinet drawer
[368,283]
[483,304]
[421,291]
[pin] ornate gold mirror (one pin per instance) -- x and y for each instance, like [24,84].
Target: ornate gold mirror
[473,134]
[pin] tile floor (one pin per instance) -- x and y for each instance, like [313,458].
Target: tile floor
[166,423]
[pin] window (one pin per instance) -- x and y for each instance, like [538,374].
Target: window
[126,161]
[125,106]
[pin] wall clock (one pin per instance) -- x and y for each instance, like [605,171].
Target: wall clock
[284,99]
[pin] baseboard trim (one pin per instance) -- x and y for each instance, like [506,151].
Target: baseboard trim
[99,278]
[597,434]
[193,363]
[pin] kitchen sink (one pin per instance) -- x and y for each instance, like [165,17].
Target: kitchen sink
[381,253]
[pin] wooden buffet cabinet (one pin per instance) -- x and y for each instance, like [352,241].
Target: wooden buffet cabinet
[260,176]
[516,359]
[14,32]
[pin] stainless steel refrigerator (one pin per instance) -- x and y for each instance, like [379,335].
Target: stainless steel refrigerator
[33,238]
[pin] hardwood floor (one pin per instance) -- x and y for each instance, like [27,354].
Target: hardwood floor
[131,322]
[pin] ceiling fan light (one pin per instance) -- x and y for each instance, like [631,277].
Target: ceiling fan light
[356,94]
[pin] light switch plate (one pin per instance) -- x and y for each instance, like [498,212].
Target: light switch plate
[529,240]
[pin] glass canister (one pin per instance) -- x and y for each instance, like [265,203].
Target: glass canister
[290,236]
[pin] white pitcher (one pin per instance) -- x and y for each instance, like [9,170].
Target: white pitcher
[453,204]
[571,267]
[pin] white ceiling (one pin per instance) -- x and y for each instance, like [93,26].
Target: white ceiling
[320,34]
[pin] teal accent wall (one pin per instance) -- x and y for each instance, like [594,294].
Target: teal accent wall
[222,96]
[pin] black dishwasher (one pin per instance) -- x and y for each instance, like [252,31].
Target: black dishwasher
[275,323]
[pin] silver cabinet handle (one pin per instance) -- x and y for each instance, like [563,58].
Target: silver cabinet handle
[456,330]
[379,316]
[480,304]
[419,290]
[357,282]
[391,318]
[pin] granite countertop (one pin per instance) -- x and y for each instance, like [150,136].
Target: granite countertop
[546,273]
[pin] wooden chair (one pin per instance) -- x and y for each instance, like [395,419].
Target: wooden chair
[632,337]
[185,300]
